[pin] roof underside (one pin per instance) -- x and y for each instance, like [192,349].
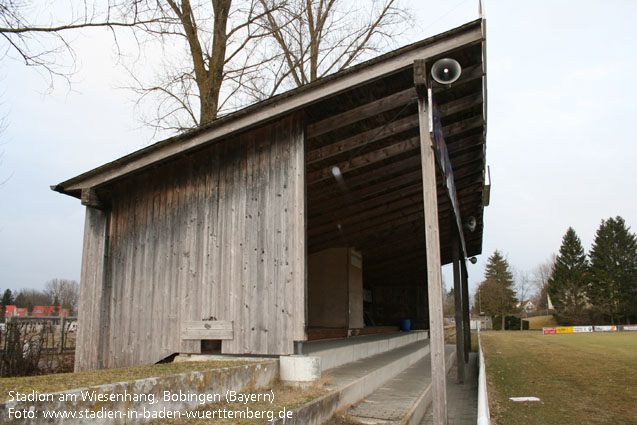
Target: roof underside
[364,121]
[371,134]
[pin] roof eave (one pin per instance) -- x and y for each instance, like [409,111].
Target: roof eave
[274,107]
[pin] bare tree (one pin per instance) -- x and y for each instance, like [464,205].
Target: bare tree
[524,287]
[66,292]
[448,302]
[38,33]
[241,51]
[319,37]
[29,298]
[209,49]
[540,276]
[215,55]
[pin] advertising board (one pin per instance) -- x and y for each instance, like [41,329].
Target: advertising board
[605,328]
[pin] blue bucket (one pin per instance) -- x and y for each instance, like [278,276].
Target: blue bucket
[405,325]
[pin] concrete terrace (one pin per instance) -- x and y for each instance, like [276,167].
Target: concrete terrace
[388,381]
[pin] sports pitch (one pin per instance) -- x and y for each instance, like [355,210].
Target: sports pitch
[579,378]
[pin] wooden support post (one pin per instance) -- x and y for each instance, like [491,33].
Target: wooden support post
[94,291]
[465,311]
[457,295]
[432,243]
[61,339]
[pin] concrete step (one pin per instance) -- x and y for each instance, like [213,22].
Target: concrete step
[337,352]
[403,399]
[352,382]
[359,378]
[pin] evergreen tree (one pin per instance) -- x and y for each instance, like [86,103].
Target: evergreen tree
[614,271]
[568,282]
[7,299]
[496,291]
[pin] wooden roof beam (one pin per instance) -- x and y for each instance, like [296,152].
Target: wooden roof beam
[317,244]
[365,159]
[360,140]
[364,215]
[470,174]
[460,146]
[383,260]
[350,230]
[345,208]
[90,198]
[372,227]
[394,258]
[364,180]
[361,193]
[369,207]
[460,127]
[360,113]
[403,231]
[458,105]
[466,159]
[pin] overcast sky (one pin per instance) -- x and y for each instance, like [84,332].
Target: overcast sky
[560,140]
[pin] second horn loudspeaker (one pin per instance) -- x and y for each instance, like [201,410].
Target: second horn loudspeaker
[446,71]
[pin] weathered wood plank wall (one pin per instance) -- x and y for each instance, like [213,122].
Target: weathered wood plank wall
[217,234]
[93,279]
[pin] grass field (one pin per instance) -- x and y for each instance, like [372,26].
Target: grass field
[540,322]
[580,378]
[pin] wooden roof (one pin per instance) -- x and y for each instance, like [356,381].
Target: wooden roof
[364,121]
[371,134]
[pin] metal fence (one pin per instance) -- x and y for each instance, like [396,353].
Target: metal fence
[484,417]
[37,345]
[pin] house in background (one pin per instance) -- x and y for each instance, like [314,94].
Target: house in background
[11,311]
[49,310]
[482,323]
[37,311]
[329,208]
[526,306]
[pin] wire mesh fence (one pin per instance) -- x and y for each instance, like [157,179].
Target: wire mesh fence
[37,345]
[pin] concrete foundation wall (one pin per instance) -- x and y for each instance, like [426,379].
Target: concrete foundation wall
[215,381]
